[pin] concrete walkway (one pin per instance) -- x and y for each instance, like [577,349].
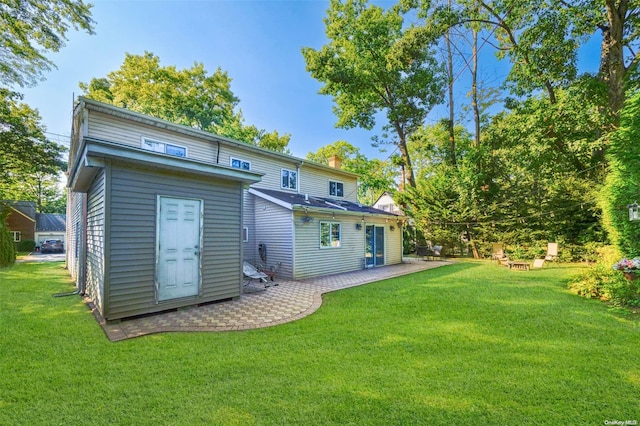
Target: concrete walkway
[286,302]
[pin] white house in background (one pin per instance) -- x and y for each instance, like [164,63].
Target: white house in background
[162,216]
[386,203]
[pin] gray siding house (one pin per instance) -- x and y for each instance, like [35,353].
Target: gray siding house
[162,216]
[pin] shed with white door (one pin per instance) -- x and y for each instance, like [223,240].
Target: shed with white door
[153,222]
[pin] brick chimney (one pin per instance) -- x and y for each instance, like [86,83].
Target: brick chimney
[335,162]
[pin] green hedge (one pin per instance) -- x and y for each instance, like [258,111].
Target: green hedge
[7,247]
[26,245]
[622,186]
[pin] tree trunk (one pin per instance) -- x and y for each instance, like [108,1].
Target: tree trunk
[613,56]
[474,88]
[406,161]
[452,137]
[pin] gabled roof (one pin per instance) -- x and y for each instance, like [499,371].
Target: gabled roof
[51,222]
[296,201]
[24,208]
[382,195]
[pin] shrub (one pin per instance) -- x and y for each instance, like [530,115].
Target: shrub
[7,248]
[26,245]
[601,281]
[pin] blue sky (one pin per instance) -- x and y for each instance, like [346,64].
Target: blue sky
[257,42]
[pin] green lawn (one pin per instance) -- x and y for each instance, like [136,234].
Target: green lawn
[468,344]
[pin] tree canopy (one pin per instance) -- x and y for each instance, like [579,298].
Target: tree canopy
[29,29]
[373,63]
[191,97]
[26,155]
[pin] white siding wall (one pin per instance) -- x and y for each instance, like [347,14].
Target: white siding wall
[250,248]
[312,180]
[113,129]
[270,166]
[315,181]
[311,260]
[393,243]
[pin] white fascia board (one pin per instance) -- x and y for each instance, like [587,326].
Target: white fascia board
[271,199]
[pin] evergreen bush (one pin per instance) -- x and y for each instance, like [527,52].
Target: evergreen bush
[27,245]
[7,247]
[622,186]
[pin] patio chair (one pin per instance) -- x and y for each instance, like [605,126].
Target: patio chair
[538,263]
[497,251]
[252,274]
[552,252]
[504,260]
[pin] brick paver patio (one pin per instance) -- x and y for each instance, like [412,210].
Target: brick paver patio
[286,302]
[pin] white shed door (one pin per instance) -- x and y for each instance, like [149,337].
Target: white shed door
[179,232]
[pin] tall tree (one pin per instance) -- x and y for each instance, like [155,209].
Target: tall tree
[190,97]
[29,29]
[374,63]
[24,149]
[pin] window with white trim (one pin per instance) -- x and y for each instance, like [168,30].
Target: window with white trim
[336,189]
[237,163]
[17,236]
[245,234]
[289,179]
[330,234]
[164,147]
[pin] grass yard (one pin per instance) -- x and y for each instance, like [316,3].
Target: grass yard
[471,344]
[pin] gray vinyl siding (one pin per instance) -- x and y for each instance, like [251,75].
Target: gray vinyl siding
[274,228]
[133,214]
[114,129]
[74,237]
[311,260]
[95,244]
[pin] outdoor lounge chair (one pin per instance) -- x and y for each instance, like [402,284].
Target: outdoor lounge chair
[429,251]
[552,252]
[251,274]
[497,251]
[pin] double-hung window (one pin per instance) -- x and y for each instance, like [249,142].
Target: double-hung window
[329,234]
[164,147]
[238,163]
[336,189]
[289,179]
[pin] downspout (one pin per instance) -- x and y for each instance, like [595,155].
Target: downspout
[298,176]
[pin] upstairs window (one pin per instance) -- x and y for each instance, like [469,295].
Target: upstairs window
[289,179]
[237,163]
[336,189]
[330,235]
[164,148]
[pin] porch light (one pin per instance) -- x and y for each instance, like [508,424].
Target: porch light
[634,212]
[358,226]
[392,228]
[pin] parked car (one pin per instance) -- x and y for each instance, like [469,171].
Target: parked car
[52,246]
